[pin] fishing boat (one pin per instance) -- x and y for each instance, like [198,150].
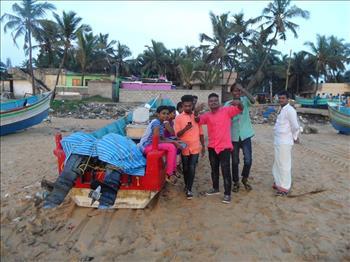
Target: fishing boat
[22,113]
[340,117]
[136,192]
[313,102]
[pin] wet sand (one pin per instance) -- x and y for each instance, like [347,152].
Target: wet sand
[255,226]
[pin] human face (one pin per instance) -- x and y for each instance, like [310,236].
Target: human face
[213,103]
[236,93]
[163,115]
[172,115]
[283,100]
[187,107]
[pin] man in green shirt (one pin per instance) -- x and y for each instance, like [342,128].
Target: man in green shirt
[241,134]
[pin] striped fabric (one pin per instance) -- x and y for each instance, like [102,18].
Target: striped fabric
[114,149]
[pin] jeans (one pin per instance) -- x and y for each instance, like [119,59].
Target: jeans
[189,169]
[110,187]
[66,179]
[222,159]
[246,146]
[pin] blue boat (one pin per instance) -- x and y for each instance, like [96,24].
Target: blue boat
[22,113]
[340,117]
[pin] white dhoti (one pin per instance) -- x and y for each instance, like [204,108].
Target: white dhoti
[282,167]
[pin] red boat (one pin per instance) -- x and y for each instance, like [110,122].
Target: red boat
[135,191]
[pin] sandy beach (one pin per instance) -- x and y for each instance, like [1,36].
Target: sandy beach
[256,226]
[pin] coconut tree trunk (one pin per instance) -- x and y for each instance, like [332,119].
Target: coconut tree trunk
[59,72]
[82,77]
[31,60]
[253,81]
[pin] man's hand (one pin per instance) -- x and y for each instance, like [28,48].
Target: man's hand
[188,126]
[199,108]
[203,151]
[237,103]
[177,145]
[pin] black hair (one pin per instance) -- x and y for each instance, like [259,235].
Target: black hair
[234,85]
[161,108]
[213,95]
[171,109]
[187,98]
[195,97]
[178,106]
[283,93]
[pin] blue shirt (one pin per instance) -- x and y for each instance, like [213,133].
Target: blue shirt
[113,149]
[147,137]
[241,127]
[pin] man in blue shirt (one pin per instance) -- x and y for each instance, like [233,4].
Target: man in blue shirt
[241,134]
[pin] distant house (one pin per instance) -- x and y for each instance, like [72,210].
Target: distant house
[74,79]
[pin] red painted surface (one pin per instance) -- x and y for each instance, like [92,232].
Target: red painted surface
[153,180]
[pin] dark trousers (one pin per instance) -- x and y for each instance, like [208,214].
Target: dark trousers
[69,175]
[66,179]
[246,146]
[222,159]
[110,187]
[189,164]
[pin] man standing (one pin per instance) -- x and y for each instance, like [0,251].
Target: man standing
[286,132]
[241,134]
[191,133]
[218,121]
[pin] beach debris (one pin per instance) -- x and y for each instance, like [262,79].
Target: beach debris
[17,219]
[7,195]
[95,110]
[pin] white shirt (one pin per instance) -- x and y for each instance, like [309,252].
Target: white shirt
[287,127]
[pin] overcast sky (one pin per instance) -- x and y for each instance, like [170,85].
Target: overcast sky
[179,23]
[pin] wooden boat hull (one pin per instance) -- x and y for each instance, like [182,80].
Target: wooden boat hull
[340,119]
[16,119]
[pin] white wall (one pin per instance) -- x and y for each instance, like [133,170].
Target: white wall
[21,87]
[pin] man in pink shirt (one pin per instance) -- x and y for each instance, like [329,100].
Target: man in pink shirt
[218,121]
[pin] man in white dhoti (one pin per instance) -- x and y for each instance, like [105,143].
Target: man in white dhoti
[286,132]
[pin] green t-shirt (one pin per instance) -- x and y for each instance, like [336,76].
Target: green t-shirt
[241,127]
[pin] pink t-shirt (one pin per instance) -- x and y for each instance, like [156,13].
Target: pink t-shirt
[219,127]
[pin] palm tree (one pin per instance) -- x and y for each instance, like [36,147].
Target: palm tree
[87,43]
[176,56]
[24,23]
[219,44]
[186,72]
[277,15]
[208,78]
[301,71]
[155,59]
[192,53]
[121,53]
[238,43]
[104,52]
[68,26]
[47,36]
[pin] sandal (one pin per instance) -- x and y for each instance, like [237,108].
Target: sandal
[246,184]
[171,179]
[280,193]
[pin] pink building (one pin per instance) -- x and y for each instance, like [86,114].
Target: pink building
[138,85]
